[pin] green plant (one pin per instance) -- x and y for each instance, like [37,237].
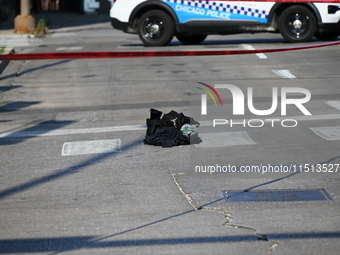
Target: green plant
[40,28]
[2,49]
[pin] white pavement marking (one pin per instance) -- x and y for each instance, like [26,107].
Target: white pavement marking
[71,131]
[69,48]
[224,139]
[259,55]
[335,104]
[58,132]
[15,41]
[284,74]
[328,133]
[91,147]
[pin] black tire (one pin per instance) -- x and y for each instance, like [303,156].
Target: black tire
[156,28]
[297,24]
[191,39]
[327,36]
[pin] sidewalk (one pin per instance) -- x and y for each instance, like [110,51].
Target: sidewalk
[53,20]
[62,19]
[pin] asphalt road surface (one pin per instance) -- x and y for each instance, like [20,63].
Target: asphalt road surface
[76,178]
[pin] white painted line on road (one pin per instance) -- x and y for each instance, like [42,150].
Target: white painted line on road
[286,74]
[328,133]
[57,132]
[91,147]
[71,131]
[15,41]
[259,55]
[335,104]
[224,139]
[69,48]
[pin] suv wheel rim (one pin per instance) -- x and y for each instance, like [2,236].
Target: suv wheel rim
[297,24]
[153,28]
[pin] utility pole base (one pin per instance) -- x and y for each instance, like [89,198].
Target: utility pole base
[24,24]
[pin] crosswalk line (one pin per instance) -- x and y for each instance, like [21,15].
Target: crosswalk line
[334,104]
[69,48]
[286,74]
[91,147]
[259,55]
[327,133]
[224,139]
[80,131]
[138,127]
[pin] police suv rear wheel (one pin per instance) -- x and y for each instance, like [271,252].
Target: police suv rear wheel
[297,24]
[156,28]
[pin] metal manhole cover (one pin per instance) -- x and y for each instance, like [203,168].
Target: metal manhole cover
[275,195]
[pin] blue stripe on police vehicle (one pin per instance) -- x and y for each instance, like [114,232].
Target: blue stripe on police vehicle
[191,10]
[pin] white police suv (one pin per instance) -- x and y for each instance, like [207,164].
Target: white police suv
[158,21]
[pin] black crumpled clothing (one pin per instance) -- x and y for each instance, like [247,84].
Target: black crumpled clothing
[164,129]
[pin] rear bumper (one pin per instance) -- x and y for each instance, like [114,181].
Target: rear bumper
[123,26]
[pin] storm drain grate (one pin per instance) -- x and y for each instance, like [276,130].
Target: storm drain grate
[275,195]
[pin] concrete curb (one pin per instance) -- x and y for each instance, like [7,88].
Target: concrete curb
[3,64]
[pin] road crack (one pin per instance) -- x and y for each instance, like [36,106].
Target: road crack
[260,237]
[227,214]
[185,194]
